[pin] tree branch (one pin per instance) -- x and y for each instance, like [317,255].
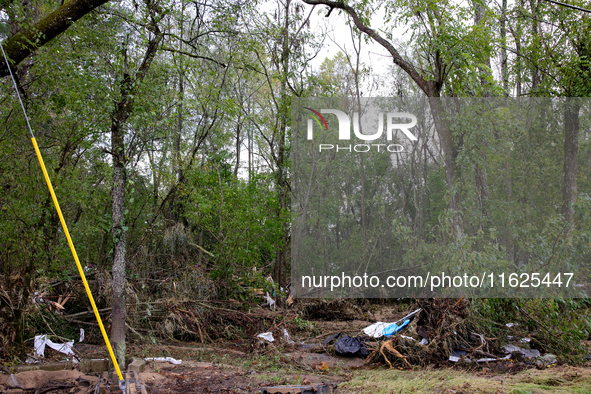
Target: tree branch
[426,86]
[173,50]
[24,43]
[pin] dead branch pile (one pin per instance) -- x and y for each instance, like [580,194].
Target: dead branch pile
[323,309]
[447,327]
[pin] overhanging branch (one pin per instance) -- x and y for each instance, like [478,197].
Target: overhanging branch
[24,43]
[419,79]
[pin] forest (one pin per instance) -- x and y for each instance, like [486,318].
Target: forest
[167,128]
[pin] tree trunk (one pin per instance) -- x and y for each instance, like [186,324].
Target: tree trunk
[281,251]
[450,154]
[123,109]
[118,312]
[571,147]
[504,57]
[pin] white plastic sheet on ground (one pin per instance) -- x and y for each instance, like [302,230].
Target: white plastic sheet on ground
[267,336]
[41,341]
[165,359]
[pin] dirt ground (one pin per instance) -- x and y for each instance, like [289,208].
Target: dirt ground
[243,375]
[246,366]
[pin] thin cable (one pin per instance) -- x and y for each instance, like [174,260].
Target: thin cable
[16,89]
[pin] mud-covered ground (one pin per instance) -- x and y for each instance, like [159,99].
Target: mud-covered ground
[241,365]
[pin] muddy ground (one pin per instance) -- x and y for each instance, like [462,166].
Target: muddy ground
[248,365]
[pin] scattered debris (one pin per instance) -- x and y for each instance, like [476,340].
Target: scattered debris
[270,301]
[380,329]
[546,361]
[527,353]
[165,359]
[388,346]
[350,346]
[322,366]
[41,341]
[456,355]
[32,360]
[52,386]
[376,330]
[267,336]
[287,337]
[394,328]
[289,301]
[328,388]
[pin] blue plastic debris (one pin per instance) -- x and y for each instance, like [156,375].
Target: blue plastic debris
[394,328]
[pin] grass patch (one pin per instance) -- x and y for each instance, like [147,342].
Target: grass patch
[446,381]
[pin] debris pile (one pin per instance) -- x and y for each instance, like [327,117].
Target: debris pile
[443,330]
[338,309]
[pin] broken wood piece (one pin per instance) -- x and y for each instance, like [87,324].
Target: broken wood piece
[388,346]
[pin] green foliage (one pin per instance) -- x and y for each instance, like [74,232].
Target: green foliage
[559,325]
[221,87]
[233,215]
[44,321]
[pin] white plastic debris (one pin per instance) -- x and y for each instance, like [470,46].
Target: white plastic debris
[456,355]
[424,341]
[165,359]
[511,324]
[287,337]
[37,299]
[486,360]
[408,338]
[270,301]
[41,341]
[81,334]
[376,329]
[31,360]
[267,336]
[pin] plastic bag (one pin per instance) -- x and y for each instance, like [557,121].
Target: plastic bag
[350,346]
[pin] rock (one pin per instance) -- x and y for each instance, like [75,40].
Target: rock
[137,365]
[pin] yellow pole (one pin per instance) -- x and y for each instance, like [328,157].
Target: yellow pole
[80,270]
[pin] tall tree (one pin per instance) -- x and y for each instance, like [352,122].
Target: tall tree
[123,107]
[430,80]
[285,56]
